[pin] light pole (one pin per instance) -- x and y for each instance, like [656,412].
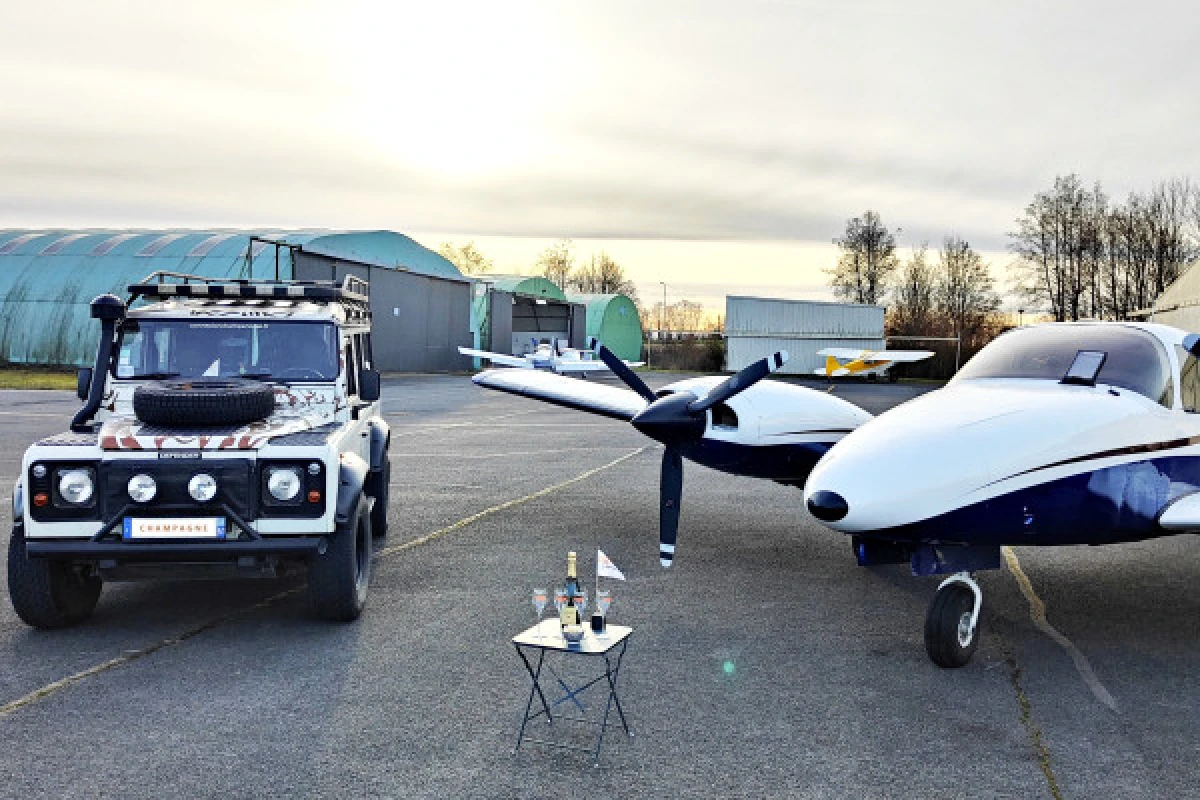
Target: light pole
[662,314]
[1020,317]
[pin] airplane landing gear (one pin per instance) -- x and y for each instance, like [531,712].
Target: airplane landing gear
[952,624]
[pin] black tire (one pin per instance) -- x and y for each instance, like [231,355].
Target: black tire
[378,487]
[338,579]
[945,627]
[45,593]
[204,402]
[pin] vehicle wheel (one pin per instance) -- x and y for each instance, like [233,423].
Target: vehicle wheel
[871,376]
[949,640]
[45,593]
[204,401]
[338,578]
[378,487]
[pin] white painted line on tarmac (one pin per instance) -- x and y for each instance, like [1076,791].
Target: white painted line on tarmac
[29,414]
[1037,612]
[134,655]
[511,454]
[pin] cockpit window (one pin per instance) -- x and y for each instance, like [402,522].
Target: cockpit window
[1135,360]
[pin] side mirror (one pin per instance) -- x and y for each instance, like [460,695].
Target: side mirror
[83,382]
[368,385]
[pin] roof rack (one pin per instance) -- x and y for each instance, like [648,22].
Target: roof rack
[165,284]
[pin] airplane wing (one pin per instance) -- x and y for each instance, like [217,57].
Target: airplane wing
[595,398]
[843,353]
[901,355]
[495,358]
[564,365]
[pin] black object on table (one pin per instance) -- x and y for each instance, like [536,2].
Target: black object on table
[547,637]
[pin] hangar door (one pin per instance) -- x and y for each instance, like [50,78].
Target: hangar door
[418,321]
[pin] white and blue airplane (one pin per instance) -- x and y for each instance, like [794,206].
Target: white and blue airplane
[550,357]
[1059,434]
[735,424]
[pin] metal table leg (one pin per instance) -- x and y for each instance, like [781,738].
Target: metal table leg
[611,673]
[536,688]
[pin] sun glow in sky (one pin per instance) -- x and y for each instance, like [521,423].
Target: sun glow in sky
[714,146]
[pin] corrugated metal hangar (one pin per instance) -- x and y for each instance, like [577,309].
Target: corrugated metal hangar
[421,302]
[423,307]
[1179,304]
[755,327]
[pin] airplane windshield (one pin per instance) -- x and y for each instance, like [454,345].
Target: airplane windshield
[284,351]
[1135,359]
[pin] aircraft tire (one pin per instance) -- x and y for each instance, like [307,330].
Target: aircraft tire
[338,578]
[945,627]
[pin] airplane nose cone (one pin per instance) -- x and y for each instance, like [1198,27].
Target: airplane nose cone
[827,506]
[668,420]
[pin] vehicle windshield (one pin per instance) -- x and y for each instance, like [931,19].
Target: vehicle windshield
[285,351]
[1134,359]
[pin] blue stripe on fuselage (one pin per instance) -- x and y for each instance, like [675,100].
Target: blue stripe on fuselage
[788,463]
[1104,506]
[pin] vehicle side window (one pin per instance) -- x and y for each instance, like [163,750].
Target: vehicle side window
[363,360]
[1189,380]
[364,346]
[351,368]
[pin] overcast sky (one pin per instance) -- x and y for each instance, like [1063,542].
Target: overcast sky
[762,124]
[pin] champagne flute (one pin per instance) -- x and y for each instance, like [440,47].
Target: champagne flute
[581,599]
[539,605]
[560,600]
[603,601]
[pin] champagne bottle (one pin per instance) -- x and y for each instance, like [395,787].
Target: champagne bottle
[570,613]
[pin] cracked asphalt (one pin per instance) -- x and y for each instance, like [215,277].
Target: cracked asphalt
[765,663]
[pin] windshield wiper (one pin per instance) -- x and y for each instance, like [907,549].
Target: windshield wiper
[255,376]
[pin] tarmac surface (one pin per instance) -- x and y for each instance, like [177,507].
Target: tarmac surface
[764,663]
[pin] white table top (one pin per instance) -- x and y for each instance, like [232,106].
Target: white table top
[548,636]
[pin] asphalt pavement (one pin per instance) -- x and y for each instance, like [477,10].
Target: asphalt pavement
[764,663]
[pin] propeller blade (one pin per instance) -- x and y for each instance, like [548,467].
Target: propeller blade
[628,376]
[670,489]
[739,382]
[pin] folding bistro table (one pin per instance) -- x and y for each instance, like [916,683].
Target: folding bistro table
[547,637]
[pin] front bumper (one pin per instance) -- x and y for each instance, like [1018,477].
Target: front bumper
[214,552]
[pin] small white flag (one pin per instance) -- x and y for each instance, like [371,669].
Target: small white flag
[606,568]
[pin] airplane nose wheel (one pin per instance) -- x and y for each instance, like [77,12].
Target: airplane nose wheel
[952,624]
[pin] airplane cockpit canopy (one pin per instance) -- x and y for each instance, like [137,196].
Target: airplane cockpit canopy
[1135,359]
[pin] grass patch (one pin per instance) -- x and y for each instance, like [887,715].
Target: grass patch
[34,377]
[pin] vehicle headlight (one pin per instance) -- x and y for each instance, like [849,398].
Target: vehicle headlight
[142,488]
[202,487]
[75,486]
[284,484]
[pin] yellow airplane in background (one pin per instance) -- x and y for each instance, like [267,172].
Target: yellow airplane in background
[842,361]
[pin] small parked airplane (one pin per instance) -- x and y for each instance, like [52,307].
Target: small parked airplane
[1058,434]
[738,425]
[549,357]
[870,363]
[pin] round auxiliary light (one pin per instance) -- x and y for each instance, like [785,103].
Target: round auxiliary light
[75,486]
[202,487]
[284,484]
[314,469]
[39,471]
[142,488]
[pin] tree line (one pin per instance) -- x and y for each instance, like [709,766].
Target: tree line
[1078,254]
[600,274]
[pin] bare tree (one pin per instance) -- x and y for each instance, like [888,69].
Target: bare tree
[682,315]
[602,275]
[467,258]
[914,296]
[867,260]
[965,289]
[556,262]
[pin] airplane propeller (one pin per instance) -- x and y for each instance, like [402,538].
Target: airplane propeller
[676,420]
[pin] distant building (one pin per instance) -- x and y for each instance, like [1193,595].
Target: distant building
[1179,304]
[756,327]
[421,303]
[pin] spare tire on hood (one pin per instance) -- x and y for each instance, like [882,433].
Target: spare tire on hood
[203,402]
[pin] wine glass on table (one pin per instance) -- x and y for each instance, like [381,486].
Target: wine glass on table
[540,597]
[581,601]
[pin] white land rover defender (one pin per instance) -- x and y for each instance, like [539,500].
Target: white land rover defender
[230,427]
